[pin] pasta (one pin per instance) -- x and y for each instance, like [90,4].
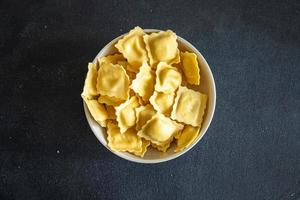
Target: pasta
[190,67]
[113,59]
[113,81]
[162,148]
[111,112]
[143,85]
[127,141]
[141,153]
[90,89]
[141,94]
[189,106]
[132,47]
[168,79]
[187,137]
[143,114]
[111,101]
[126,66]
[162,47]
[159,129]
[162,102]
[97,111]
[126,114]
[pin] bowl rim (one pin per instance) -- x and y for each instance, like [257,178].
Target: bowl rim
[173,156]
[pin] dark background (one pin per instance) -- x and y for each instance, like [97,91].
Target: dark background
[251,150]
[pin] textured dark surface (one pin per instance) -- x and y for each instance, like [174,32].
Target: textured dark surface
[251,151]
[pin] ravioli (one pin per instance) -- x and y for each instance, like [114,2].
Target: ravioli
[126,66]
[189,106]
[113,81]
[141,93]
[187,137]
[111,112]
[190,67]
[143,84]
[168,79]
[113,59]
[143,114]
[97,111]
[132,47]
[162,102]
[141,153]
[162,148]
[140,99]
[126,114]
[110,101]
[162,47]
[133,69]
[160,129]
[89,88]
[127,141]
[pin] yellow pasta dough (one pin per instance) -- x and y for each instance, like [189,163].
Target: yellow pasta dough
[97,111]
[190,67]
[126,114]
[127,141]
[189,106]
[111,112]
[111,101]
[90,89]
[162,47]
[143,84]
[160,129]
[140,94]
[141,153]
[187,137]
[162,102]
[168,79]
[113,81]
[162,148]
[125,65]
[143,114]
[113,59]
[140,99]
[132,47]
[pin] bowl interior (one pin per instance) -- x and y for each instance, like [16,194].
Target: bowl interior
[207,86]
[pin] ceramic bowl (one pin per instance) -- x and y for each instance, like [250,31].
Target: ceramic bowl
[207,86]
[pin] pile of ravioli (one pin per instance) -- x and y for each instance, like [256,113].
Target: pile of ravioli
[141,95]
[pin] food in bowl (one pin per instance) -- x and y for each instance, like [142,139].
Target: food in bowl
[142,95]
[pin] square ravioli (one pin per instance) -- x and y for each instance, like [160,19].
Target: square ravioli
[190,67]
[189,106]
[141,153]
[111,112]
[125,112]
[168,78]
[90,89]
[187,137]
[162,102]
[127,67]
[143,84]
[128,141]
[132,47]
[160,129]
[162,46]
[162,148]
[141,93]
[143,114]
[97,111]
[111,101]
[113,81]
[113,59]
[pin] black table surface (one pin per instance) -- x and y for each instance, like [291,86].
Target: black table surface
[251,150]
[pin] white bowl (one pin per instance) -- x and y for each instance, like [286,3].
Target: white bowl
[207,86]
